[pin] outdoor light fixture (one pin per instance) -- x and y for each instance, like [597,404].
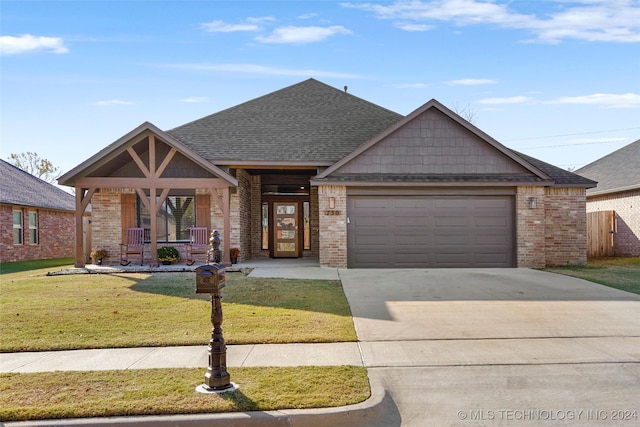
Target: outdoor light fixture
[533,202]
[332,202]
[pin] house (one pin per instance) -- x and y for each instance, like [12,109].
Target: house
[313,171]
[618,176]
[38,219]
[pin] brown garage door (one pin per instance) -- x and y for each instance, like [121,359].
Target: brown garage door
[430,231]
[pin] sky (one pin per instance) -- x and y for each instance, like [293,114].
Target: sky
[558,80]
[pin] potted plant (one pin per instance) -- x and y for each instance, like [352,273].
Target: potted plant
[97,255]
[168,254]
[234,253]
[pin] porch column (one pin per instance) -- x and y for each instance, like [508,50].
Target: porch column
[82,201]
[79,261]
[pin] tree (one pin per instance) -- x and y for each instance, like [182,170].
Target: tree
[466,113]
[35,165]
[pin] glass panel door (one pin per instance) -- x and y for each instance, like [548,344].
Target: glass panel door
[285,229]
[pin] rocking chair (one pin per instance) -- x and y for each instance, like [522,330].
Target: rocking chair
[198,243]
[134,245]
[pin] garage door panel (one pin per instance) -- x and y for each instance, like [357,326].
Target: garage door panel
[431,231]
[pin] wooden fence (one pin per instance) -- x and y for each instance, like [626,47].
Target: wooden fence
[600,234]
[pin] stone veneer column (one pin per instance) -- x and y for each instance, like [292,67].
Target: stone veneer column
[530,228]
[333,226]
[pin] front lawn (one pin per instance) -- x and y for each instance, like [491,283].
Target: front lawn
[53,395]
[40,312]
[619,273]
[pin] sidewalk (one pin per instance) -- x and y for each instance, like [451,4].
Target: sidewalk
[238,356]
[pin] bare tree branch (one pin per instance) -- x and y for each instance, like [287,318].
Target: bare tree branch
[35,165]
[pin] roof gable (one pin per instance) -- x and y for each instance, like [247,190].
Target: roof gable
[306,123]
[434,143]
[116,161]
[617,171]
[18,187]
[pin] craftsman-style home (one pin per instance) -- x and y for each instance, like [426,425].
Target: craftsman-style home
[313,171]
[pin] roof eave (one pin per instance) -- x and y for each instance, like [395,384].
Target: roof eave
[613,190]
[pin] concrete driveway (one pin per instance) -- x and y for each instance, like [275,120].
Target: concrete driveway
[468,347]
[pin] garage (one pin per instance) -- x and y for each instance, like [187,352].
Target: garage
[430,231]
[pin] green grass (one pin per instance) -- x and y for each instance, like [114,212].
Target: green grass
[619,273]
[40,312]
[15,267]
[54,395]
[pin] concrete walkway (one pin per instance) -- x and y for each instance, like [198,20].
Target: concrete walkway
[493,347]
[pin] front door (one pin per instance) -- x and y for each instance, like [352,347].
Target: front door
[286,225]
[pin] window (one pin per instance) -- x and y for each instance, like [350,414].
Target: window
[175,217]
[33,227]
[17,227]
[306,222]
[265,225]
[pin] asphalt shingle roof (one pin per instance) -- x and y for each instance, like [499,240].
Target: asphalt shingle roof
[559,175]
[18,187]
[306,122]
[616,171]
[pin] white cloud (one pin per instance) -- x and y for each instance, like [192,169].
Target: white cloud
[195,99]
[611,100]
[294,34]
[261,69]
[589,20]
[27,43]
[251,24]
[507,100]
[406,26]
[470,82]
[111,102]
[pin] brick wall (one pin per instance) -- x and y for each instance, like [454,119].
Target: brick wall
[243,239]
[106,225]
[333,226]
[626,241]
[530,228]
[56,235]
[565,226]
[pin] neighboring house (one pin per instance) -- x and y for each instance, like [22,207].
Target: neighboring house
[618,176]
[38,219]
[313,171]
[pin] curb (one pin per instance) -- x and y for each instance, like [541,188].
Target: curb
[375,411]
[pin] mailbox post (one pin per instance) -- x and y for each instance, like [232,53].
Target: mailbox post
[210,279]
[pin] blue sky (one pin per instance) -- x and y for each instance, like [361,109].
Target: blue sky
[555,79]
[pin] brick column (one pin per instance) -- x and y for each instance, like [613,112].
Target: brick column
[333,226]
[530,228]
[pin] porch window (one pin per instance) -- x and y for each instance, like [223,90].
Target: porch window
[175,217]
[33,227]
[17,226]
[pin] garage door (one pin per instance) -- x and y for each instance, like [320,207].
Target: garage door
[430,231]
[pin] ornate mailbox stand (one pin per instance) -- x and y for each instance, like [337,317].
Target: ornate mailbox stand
[210,279]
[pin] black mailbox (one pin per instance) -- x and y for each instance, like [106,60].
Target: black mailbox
[210,279]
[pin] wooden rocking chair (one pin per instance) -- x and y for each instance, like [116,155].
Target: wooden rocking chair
[198,243]
[134,245]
